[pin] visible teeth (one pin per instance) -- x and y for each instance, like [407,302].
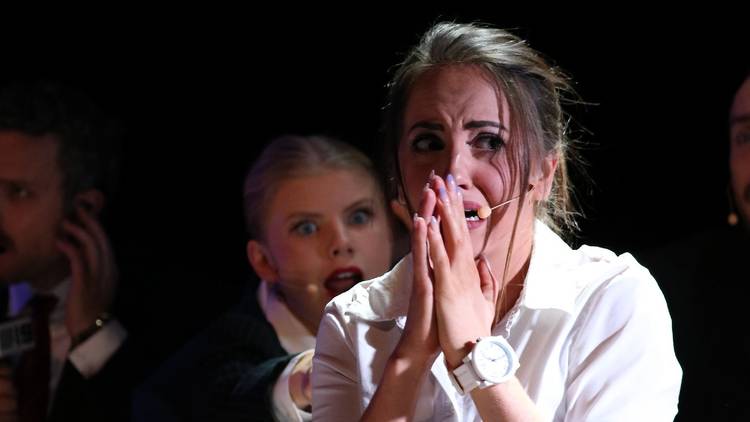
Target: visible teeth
[349,274]
[473,218]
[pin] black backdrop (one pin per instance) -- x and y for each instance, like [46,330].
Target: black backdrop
[200,93]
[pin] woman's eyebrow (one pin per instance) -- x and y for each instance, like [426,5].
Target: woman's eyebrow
[426,125]
[478,124]
[302,215]
[473,124]
[364,202]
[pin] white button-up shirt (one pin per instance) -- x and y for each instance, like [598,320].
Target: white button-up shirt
[591,330]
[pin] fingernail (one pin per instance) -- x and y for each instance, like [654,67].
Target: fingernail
[433,221]
[451,182]
[431,176]
[443,195]
[415,217]
[426,187]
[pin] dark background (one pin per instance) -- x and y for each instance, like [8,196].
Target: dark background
[200,93]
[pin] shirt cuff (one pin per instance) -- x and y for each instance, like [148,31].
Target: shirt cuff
[284,408]
[90,356]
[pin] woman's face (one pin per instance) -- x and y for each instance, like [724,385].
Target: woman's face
[456,121]
[324,233]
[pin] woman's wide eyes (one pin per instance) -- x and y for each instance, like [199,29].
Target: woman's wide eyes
[487,142]
[482,142]
[427,142]
[305,228]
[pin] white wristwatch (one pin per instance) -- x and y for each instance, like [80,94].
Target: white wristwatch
[491,361]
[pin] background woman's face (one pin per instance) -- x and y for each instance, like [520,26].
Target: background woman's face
[324,233]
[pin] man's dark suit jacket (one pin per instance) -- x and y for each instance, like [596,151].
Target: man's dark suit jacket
[705,279]
[104,397]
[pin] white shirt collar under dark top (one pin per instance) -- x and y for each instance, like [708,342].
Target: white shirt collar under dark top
[293,336]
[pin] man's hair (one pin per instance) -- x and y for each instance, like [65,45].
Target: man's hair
[89,142]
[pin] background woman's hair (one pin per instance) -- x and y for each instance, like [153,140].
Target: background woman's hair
[292,156]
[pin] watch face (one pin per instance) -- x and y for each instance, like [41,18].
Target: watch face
[492,360]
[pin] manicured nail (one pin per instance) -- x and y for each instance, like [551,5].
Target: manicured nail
[434,222]
[443,195]
[451,182]
[431,176]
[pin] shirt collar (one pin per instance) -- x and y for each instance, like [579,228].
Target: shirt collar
[556,276]
[293,336]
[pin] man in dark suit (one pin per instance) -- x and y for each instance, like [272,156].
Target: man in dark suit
[704,277]
[57,166]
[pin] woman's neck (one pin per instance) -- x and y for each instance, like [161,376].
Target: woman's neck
[511,291]
[510,270]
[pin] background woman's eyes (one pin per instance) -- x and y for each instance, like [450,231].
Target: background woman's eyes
[305,228]
[361,217]
[427,142]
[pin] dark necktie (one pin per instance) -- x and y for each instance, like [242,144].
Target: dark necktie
[33,372]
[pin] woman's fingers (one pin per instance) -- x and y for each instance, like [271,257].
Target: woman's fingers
[420,333]
[450,221]
[422,280]
[441,264]
[427,203]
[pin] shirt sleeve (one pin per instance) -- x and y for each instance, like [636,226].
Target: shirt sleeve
[284,408]
[622,365]
[336,386]
[90,356]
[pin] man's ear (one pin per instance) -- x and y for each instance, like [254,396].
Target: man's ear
[92,200]
[544,180]
[260,260]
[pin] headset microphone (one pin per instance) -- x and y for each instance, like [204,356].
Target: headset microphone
[485,210]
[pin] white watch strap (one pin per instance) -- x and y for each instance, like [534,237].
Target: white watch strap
[464,378]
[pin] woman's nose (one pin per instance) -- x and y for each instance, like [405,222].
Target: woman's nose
[457,166]
[341,244]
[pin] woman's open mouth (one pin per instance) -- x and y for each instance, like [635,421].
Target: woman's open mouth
[342,279]
[471,213]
